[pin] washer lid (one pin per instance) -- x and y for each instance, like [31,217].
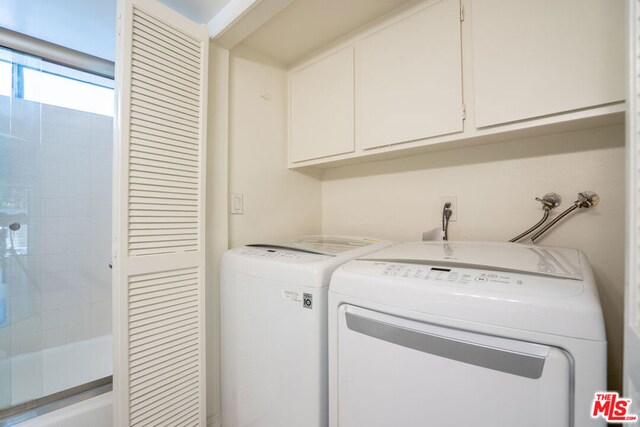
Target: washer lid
[512,257]
[305,261]
[322,245]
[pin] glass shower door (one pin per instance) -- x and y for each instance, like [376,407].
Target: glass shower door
[20,184]
[55,228]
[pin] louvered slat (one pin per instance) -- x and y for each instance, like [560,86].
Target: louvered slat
[165,319]
[154,403]
[162,186]
[142,68]
[161,388]
[148,124]
[136,232]
[176,311]
[145,57]
[160,416]
[162,88]
[160,307]
[161,145]
[155,98]
[160,37]
[162,343]
[142,303]
[171,58]
[157,375]
[152,104]
[142,160]
[149,112]
[165,209]
[149,387]
[157,131]
[161,142]
[168,414]
[160,58]
[152,400]
[142,172]
[159,112]
[166,51]
[163,376]
[173,36]
[144,350]
[147,201]
[152,295]
[163,161]
[147,370]
[161,227]
[150,203]
[164,238]
[176,321]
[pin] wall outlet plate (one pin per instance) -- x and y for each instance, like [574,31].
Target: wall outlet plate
[454,206]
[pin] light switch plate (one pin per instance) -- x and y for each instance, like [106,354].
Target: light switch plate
[237,204]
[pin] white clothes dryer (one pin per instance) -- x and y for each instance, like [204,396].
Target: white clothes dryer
[274,329]
[465,334]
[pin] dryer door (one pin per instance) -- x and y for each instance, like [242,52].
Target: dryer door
[398,372]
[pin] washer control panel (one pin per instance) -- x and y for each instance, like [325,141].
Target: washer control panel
[268,253]
[447,275]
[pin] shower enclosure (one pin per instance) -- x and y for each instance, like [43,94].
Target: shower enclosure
[55,228]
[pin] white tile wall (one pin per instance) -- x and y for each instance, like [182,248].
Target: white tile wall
[63,159]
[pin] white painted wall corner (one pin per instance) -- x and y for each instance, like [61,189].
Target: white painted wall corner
[214,420]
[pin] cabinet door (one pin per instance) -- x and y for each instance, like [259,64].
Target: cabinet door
[321,116]
[533,58]
[410,78]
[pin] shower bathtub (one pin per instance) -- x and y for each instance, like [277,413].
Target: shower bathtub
[94,412]
[56,369]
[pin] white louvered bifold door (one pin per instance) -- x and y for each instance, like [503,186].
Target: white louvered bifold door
[632,292]
[159,348]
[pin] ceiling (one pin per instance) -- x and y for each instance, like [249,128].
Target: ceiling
[307,25]
[89,25]
[85,25]
[200,11]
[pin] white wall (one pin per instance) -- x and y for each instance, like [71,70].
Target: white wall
[495,185]
[278,203]
[248,154]
[217,224]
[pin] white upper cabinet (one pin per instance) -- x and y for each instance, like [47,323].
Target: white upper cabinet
[409,78]
[321,108]
[536,58]
[404,83]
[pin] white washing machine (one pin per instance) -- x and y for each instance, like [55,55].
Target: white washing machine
[274,329]
[465,334]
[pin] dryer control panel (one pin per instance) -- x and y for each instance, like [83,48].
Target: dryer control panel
[465,280]
[448,275]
